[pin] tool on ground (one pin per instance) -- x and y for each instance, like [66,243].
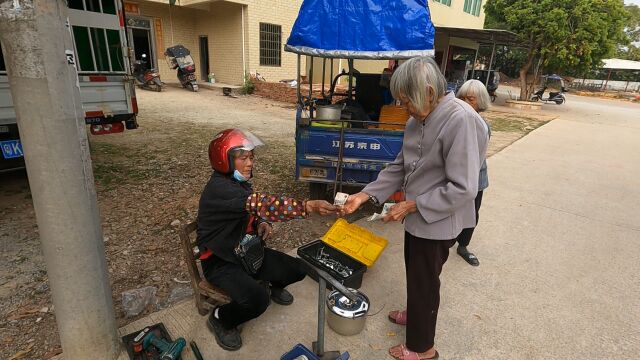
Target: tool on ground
[137,341]
[196,350]
[168,350]
[323,278]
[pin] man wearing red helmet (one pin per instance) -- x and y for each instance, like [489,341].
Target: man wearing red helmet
[229,210]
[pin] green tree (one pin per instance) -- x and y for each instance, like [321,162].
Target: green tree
[561,35]
[630,50]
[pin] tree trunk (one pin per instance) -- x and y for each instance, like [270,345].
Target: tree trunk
[524,90]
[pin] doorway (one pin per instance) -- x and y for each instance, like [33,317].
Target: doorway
[141,39]
[204,57]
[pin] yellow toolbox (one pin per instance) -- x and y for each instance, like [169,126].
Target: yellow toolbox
[355,241]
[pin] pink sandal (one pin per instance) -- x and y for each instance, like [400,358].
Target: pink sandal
[398,317]
[410,355]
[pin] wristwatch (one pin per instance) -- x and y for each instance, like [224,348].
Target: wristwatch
[374,200]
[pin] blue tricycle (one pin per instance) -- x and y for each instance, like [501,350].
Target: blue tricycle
[346,134]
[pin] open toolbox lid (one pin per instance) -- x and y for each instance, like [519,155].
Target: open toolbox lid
[355,241]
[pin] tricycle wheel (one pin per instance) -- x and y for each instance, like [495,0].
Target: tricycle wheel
[317,191]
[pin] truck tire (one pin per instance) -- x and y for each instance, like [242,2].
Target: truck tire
[317,191]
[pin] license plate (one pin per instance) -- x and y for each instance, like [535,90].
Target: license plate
[314,172]
[191,77]
[11,149]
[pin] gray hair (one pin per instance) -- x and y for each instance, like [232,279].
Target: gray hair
[475,88]
[412,79]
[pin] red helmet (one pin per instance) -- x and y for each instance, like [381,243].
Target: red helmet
[223,145]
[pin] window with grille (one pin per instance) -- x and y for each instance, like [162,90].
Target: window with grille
[444,2]
[472,7]
[270,44]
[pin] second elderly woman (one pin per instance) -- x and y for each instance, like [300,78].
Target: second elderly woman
[474,93]
[437,169]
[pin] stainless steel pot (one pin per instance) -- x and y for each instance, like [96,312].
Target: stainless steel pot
[347,317]
[329,112]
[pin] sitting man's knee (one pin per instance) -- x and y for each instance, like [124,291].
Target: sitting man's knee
[256,301]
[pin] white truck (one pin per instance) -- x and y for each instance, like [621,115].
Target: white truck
[106,85]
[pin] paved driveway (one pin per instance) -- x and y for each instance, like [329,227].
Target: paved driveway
[559,245]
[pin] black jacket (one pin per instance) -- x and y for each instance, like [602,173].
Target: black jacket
[222,215]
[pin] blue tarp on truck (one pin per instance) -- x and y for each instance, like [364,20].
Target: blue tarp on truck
[363,29]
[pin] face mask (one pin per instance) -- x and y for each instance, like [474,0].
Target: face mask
[238,176]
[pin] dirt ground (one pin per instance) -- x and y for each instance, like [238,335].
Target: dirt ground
[146,180]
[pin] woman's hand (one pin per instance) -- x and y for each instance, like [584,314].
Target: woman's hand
[353,203]
[265,230]
[398,211]
[321,207]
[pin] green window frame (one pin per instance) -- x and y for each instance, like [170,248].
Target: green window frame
[98,50]
[99,6]
[444,2]
[472,7]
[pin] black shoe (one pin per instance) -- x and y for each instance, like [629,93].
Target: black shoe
[227,339]
[281,296]
[467,256]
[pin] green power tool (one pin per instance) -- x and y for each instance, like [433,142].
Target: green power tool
[169,350]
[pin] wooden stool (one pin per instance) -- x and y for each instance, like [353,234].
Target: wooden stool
[207,295]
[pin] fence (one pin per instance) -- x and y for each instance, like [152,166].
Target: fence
[599,85]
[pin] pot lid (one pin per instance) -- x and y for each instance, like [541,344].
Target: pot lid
[342,306]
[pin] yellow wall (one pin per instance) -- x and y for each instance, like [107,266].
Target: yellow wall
[281,12]
[223,26]
[454,16]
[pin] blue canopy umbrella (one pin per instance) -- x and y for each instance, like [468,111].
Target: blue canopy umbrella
[363,29]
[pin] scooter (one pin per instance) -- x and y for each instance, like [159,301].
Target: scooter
[178,57]
[148,79]
[556,97]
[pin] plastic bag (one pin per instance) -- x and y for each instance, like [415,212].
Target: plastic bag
[135,301]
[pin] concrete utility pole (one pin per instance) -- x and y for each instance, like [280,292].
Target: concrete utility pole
[38,52]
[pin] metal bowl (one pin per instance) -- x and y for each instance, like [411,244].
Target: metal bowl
[347,317]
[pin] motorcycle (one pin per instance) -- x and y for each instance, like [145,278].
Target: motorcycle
[178,57]
[554,96]
[146,78]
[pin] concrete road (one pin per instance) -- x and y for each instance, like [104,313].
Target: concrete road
[559,246]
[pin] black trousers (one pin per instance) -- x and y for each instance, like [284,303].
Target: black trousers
[423,260]
[250,298]
[464,238]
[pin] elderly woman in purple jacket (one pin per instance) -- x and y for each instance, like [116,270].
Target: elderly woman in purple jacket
[444,145]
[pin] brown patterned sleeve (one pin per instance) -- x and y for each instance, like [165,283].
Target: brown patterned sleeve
[273,208]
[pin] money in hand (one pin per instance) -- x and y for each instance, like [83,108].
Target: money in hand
[385,210]
[340,199]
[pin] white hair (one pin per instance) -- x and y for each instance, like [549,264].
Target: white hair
[475,88]
[414,77]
